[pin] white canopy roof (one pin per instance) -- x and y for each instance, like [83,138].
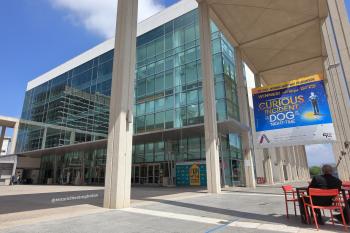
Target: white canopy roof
[279,39]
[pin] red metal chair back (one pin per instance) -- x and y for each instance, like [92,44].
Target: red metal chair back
[346,184]
[287,188]
[323,192]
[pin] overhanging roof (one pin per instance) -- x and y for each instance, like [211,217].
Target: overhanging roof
[8,121]
[279,39]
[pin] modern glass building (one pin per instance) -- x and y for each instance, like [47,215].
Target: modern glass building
[65,117]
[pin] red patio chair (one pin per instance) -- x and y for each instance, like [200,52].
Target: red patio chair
[337,205]
[290,196]
[346,186]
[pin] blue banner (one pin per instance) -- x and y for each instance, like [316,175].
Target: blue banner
[298,105]
[292,113]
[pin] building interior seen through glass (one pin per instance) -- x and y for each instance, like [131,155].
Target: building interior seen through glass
[74,108]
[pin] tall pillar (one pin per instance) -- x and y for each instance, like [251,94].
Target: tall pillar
[303,159]
[43,142]
[119,147]
[2,136]
[14,165]
[282,178]
[286,158]
[293,163]
[258,156]
[262,162]
[72,138]
[306,163]
[298,162]
[14,138]
[336,36]
[245,119]
[274,162]
[268,166]
[210,121]
[339,22]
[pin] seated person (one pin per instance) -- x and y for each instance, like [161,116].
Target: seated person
[324,181]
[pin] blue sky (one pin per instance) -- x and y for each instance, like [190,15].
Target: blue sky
[38,35]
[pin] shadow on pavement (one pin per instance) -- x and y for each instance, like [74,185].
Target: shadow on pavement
[28,202]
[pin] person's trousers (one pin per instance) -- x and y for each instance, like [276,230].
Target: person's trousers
[317,211]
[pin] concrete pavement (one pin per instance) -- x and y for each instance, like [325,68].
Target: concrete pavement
[156,210]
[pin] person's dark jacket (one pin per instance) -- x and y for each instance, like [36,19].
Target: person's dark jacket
[324,182]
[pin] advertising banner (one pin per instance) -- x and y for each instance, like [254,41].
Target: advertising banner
[292,113]
[191,174]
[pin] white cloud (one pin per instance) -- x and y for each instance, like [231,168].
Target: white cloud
[98,16]
[319,154]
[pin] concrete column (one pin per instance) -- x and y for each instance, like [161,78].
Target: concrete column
[293,163]
[306,163]
[72,138]
[303,158]
[245,119]
[340,23]
[336,110]
[298,162]
[268,167]
[276,168]
[210,121]
[336,36]
[119,147]
[43,142]
[258,156]
[14,138]
[282,179]
[2,136]
[285,157]
[14,165]
[338,106]
[333,100]
[303,163]
[274,162]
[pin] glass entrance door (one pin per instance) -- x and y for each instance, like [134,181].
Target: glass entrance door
[156,174]
[146,174]
[143,174]
[72,175]
[136,174]
[150,172]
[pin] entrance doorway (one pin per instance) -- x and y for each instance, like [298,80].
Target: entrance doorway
[72,175]
[146,174]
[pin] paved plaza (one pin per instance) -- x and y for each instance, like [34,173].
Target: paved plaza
[154,209]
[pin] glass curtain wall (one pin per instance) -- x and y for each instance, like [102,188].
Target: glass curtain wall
[74,107]
[168,84]
[74,168]
[71,108]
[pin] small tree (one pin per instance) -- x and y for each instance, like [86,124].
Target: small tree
[315,170]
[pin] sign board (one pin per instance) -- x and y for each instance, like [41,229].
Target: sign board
[191,174]
[194,175]
[292,113]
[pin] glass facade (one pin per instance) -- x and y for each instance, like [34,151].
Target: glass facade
[74,108]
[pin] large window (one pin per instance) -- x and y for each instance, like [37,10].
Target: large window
[149,152]
[168,89]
